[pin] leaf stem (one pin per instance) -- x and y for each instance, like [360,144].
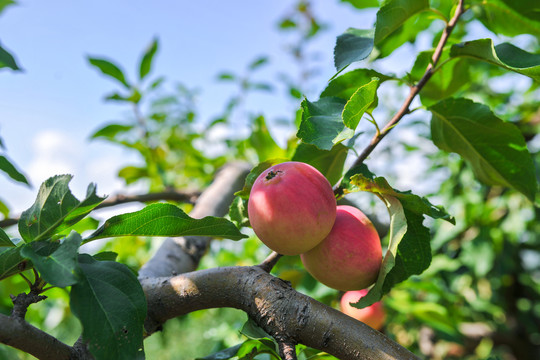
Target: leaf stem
[415,89]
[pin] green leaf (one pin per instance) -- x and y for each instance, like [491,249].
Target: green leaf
[55,209]
[238,212]
[347,84]
[110,69]
[5,3]
[110,131]
[58,268]
[254,173]
[261,140]
[362,4]
[223,354]
[495,149]
[105,256]
[329,162]
[351,46]
[146,61]
[10,169]
[110,303]
[4,239]
[4,210]
[503,19]
[12,262]
[322,124]
[393,14]
[260,61]
[361,179]
[359,103]
[7,60]
[527,8]
[165,220]
[504,55]
[398,228]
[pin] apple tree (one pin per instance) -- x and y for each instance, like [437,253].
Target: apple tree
[459,272]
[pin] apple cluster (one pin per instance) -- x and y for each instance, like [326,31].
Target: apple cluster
[293,210]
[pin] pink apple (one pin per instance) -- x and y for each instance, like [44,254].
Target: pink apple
[350,257]
[373,315]
[291,207]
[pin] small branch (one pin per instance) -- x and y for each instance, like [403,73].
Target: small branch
[404,110]
[287,351]
[22,301]
[179,196]
[271,261]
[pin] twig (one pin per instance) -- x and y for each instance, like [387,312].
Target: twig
[287,350]
[404,110]
[269,263]
[22,301]
[179,196]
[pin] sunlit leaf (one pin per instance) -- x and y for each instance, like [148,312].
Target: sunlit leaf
[503,19]
[362,4]
[359,103]
[238,212]
[10,169]
[113,329]
[111,130]
[504,55]
[495,149]
[261,140]
[55,209]
[347,84]
[165,220]
[146,61]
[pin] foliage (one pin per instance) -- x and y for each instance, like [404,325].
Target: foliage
[467,287]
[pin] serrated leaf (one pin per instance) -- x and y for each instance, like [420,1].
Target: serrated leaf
[393,14]
[55,209]
[261,140]
[7,60]
[162,219]
[58,268]
[110,69]
[329,162]
[351,46]
[113,328]
[347,84]
[361,179]
[503,19]
[10,169]
[495,149]
[238,212]
[5,240]
[254,173]
[111,130]
[146,61]
[504,55]
[322,124]
[359,103]
[398,228]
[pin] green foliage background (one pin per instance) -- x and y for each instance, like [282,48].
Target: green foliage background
[477,297]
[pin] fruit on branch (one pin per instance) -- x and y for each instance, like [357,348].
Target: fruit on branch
[350,257]
[291,207]
[373,315]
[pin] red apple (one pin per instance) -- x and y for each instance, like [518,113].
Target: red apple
[291,207]
[350,257]
[373,315]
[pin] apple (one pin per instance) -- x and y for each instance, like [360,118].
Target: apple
[373,315]
[291,207]
[350,257]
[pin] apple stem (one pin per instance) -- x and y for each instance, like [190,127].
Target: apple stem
[269,263]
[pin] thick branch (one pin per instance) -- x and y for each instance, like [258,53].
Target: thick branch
[19,334]
[279,309]
[172,195]
[404,110]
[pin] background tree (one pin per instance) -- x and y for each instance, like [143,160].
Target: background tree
[463,286]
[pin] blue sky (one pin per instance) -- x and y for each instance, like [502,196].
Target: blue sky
[48,111]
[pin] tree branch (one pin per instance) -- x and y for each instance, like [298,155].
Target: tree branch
[19,334]
[273,304]
[404,110]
